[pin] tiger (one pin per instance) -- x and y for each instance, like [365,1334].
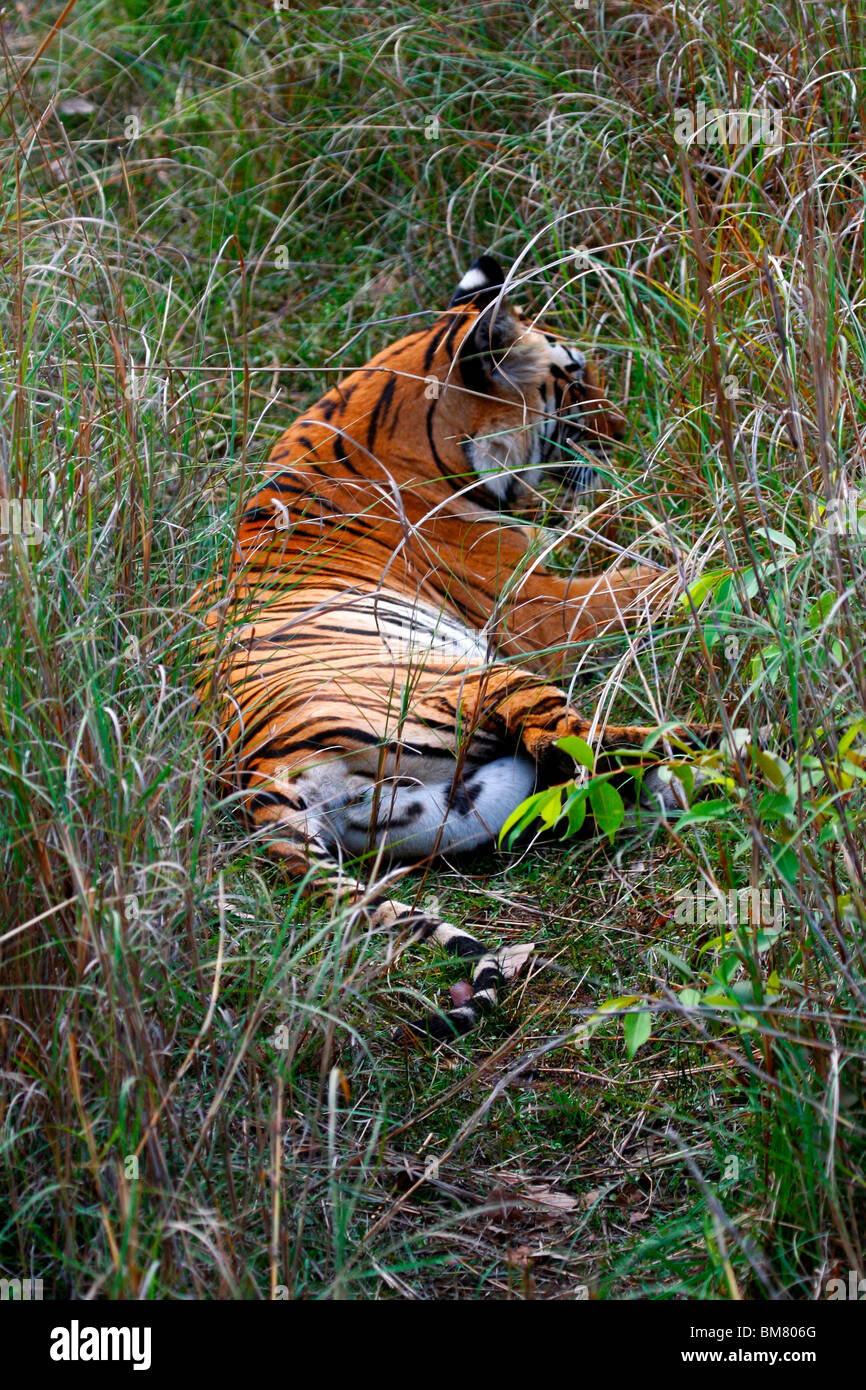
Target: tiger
[389,645]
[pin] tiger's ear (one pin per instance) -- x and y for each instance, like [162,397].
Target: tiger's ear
[480,285]
[493,350]
[479,289]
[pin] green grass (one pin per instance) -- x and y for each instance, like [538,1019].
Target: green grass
[206,218]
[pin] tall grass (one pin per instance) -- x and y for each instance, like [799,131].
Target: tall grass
[206,218]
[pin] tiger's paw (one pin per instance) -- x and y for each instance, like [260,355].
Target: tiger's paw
[468,1007]
[512,959]
[664,792]
[441,1027]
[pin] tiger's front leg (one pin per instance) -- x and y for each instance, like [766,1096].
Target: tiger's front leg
[487,575]
[548,613]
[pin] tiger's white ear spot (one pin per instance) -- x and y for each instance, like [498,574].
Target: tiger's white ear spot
[474,279]
[481,283]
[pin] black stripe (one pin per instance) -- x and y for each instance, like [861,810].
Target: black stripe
[259,514]
[464,946]
[262,799]
[380,409]
[437,333]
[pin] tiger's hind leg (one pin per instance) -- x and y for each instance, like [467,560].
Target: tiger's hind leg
[307,844]
[491,970]
[329,809]
[410,818]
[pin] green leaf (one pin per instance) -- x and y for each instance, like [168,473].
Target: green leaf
[779,538]
[747,1023]
[767,938]
[819,610]
[787,864]
[845,742]
[637,1028]
[716,943]
[575,810]
[717,809]
[767,664]
[524,814]
[608,807]
[830,831]
[701,587]
[774,768]
[686,774]
[676,961]
[775,806]
[652,738]
[578,749]
[622,1001]
[728,967]
[550,810]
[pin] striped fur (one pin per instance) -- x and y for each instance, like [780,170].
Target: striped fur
[385,647]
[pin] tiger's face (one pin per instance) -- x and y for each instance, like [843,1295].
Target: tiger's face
[481,404]
[533,404]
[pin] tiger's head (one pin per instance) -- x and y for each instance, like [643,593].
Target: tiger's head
[528,403]
[482,403]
